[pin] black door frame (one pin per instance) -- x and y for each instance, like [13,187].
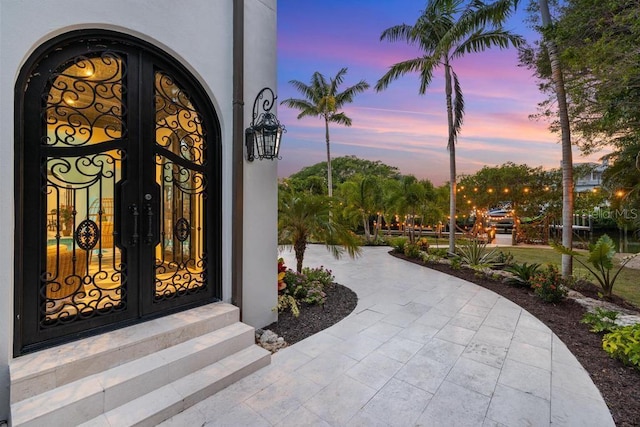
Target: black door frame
[28,336]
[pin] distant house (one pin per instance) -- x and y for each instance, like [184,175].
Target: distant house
[134,231]
[589,175]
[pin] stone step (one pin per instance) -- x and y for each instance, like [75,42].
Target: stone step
[165,402]
[96,394]
[35,373]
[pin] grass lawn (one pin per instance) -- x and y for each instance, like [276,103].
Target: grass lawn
[626,286]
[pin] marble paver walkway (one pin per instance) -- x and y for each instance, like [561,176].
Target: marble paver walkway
[421,348]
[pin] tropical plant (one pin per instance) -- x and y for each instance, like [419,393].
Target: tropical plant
[398,244]
[322,99]
[474,253]
[282,269]
[601,259]
[548,284]
[412,250]
[446,30]
[522,274]
[320,274]
[362,196]
[286,301]
[624,344]
[306,217]
[601,320]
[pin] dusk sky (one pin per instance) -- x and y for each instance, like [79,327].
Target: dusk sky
[398,126]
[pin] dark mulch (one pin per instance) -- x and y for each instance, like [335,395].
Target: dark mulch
[314,318]
[619,384]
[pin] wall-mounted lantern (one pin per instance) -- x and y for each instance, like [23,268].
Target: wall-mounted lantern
[265,133]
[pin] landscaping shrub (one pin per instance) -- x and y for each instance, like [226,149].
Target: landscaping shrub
[523,273]
[624,344]
[548,285]
[601,320]
[321,274]
[423,244]
[601,259]
[474,253]
[412,250]
[398,244]
[439,252]
[504,259]
[307,287]
[287,301]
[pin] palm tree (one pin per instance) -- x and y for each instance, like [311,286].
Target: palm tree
[446,30]
[304,217]
[567,161]
[361,195]
[322,99]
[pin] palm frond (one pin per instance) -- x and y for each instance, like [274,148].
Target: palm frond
[307,91]
[398,70]
[458,105]
[305,107]
[480,41]
[340,118]
[402,32]
[337,81]
[347,95]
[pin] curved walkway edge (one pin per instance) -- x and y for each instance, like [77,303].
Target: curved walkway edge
[421,348]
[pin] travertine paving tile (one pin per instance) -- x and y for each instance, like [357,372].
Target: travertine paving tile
[453,405]
[474,376]
[397,404]
[513,407]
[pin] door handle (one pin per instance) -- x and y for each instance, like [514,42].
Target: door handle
[149,210]
[133,209]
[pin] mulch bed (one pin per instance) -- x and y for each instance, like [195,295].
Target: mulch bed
[314,318]
[619,384]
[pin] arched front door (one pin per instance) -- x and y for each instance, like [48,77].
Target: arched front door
[118,188]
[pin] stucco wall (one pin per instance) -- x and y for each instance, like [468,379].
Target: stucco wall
[199,34]
[260,215]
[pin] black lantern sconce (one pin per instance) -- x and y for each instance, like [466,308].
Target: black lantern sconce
[265,132]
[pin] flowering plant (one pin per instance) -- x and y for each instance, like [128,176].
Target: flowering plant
[281,272]
[548,285]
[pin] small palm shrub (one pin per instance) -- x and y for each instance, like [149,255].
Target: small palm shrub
[522,274]
[548,284]
[624,344]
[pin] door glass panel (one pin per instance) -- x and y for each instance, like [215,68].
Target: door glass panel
[83,272]
[84,102]
[180,255]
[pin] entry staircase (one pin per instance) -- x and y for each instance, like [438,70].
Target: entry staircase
[140,375]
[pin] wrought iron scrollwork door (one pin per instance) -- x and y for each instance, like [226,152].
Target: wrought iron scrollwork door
[118,181]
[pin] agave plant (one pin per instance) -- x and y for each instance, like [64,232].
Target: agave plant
[475,254]
[522,274]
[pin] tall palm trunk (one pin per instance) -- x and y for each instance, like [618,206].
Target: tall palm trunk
[452,159]
[567,161]
[329,174]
